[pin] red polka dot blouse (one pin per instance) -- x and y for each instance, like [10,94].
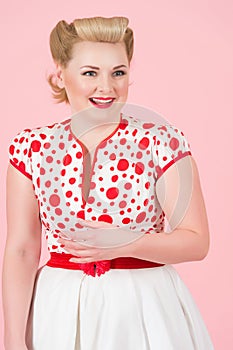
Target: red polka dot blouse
[121,179]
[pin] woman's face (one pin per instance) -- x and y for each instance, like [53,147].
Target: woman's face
[97,70]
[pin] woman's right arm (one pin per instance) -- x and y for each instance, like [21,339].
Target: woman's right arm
[21,258]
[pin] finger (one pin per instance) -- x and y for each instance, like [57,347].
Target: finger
[72,244]
[79,254]
[76,260]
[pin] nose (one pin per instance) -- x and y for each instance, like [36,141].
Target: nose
[105,84]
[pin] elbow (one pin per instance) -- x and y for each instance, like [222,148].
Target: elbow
[203,250]
[202,255]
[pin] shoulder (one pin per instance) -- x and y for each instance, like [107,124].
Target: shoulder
[168,142]
[159,132]
[29,141]
[40,133]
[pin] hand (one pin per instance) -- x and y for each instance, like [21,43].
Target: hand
[102,241]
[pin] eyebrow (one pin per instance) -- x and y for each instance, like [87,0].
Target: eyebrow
[92,67]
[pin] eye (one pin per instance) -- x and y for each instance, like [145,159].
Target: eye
[119,71]
[86,73]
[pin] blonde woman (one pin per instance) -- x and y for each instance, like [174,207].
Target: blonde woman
[93,181]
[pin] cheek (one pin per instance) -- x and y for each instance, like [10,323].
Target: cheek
[123,87]
[86,88]
[77,86]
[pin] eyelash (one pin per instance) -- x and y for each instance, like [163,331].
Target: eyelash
[113,73]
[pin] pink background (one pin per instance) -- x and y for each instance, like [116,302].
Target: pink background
[182,69]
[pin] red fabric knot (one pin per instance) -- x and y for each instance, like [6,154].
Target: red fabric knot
[99,267]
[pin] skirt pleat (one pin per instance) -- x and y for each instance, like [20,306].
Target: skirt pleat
[123,309]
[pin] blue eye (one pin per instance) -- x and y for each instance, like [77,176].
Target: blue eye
[93,73]
[119,71]
[86,73]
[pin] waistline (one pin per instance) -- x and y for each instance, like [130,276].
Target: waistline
[61,260]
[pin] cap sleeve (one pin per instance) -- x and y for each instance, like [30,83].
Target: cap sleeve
[19,152]
[170,145]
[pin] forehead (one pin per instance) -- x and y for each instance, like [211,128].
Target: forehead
[88,52]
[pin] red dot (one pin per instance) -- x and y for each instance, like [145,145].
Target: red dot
[151,164]
[123,141]
[123,164]
[54,200]
[49,159]
[143,144]
[43,136]
[174,143]
[139,155]
[58,211]
[148,125]
[78,155]
[126,221]
[139,168]
[67,159]
[11,149]
[35,146]
[91,200]
[92,185]
[47,145]
[112,192]
[163,127]
[61,145]
[72,180]
[122,204]
[105,218]
[22,166]
[140,217]
[61,225]
[68,194]
[112,156]
[128,186]
[48,183]
[123,124]
[21,139]
[114,178]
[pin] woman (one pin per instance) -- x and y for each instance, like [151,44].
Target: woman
[97,182]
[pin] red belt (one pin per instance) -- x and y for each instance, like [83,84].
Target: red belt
[61,260]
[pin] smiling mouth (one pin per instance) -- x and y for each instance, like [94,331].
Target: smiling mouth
[101,101]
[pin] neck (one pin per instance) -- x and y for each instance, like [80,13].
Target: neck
[88,123]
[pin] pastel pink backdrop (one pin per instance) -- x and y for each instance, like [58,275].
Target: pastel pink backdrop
[182,69]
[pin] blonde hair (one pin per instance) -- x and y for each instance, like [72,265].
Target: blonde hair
[96,29]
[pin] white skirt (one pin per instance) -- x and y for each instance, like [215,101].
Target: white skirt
[126,309]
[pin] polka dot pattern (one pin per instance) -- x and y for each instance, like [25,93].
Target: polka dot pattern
[120,181]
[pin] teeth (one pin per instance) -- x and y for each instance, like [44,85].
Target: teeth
[101,101]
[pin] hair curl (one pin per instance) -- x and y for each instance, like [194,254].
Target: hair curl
[96,29]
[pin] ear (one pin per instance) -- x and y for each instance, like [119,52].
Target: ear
[59,76]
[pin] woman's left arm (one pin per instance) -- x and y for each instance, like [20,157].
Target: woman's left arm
[189,240]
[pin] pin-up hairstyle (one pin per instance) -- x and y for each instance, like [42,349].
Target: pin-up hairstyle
[96,29]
